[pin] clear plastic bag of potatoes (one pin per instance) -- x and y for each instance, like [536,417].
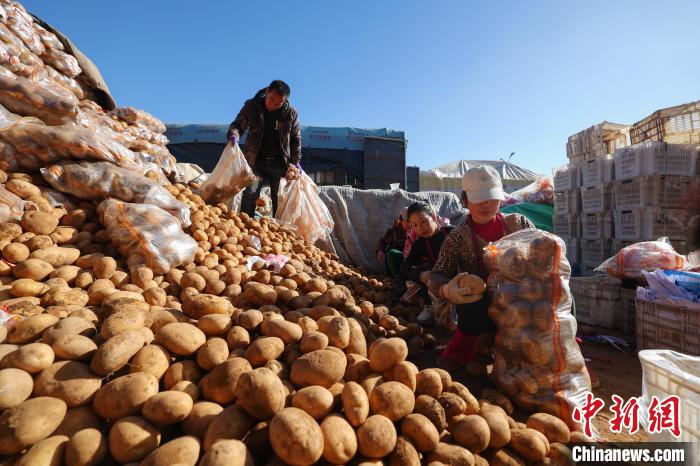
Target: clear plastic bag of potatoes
[147,235]
[12,207]
[538,362]
[100,180]
[230,176]
[301,207]
[135,116]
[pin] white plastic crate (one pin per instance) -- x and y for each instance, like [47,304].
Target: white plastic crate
[648,224]
[655,158]
[566,177]
[668,192]
[567,202]
[567,226]
[596,171]
[596,300]
[597,225]
[595,251]
[598,198]
[573,250]
[667,373]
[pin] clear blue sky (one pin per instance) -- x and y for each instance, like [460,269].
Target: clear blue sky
[463,79]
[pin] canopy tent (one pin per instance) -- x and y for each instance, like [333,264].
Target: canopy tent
[448,177]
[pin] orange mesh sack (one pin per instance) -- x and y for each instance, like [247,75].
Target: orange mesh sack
[100,180]
[147,235]
[629,262]
[230,176]
[538,362]
[301,207]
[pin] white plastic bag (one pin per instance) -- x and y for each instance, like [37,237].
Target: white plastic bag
[301,207]
[231,175]
[648,256]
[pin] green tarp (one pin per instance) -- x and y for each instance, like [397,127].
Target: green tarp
[539,214]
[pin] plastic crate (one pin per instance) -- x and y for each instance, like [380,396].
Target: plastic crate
[573,250]
[595,251]
[566,177]
[663,326]
[679,125]
[597,225]
[567,226]
[597,300]
[567,202]
[597,199]
[667,373]
[648,224]
[655,158]
[596,171]
[628,297]
[668,192]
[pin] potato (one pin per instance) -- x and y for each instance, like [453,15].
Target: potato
[393,400]
[238,337]
[56,256]
[201,305]
[288,332]
[552,427]
[70,326]
[212,353]
[472,432]
[124,395]
[529,444]
[153,359]
[88,447]
[201,415]
[191,389]
[405,372]
[453,405]
[129,318]
[49,451]
[497,398]
[36,269]
[67,272]
[433,410]
[64,235]
[180,451]
[355,403]
[323,367]
[15,252]
[39,223]
[258,294]
[220,384]
[428,382]
[339,440]
[386,353]
[76,419]
[181,370]
[316,401]
[132,438]
[167,408]
[357,343]
[30,328]
[263,350]
[69,381]
[313,341]
[60,296]
[22,188]
[228,453]
[464,393]
[497,420]
[336,329]
[250,319]
[116,352]
[16,385]
[32,358]
[260,392]
[376,437]
[295,437]
[453,455]
[99,290]
[29,422]
[180,338]
[231,423]
[214,325]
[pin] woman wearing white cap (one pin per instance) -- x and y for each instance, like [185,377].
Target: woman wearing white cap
[462,255]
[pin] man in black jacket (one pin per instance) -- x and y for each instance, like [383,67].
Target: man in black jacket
[273,144]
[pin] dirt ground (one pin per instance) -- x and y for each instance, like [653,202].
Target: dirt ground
[619,372]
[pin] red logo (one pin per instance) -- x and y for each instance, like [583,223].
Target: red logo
[665,415]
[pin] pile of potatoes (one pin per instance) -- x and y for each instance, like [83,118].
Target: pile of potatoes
[215,364]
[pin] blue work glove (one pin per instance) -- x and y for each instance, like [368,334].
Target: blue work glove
[298,165]
[233,138]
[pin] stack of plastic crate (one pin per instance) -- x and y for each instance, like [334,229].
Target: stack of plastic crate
[652,180]
[597,212]
[567,208]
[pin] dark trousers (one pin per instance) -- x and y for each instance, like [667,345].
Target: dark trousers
[473,318]
[270,170]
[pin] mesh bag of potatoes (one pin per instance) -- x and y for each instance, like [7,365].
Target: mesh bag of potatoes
[301,207]
[147,235]
[135,116]
[99,180]
[230,176]
[538,362]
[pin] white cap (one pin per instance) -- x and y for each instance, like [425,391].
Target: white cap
[482,183]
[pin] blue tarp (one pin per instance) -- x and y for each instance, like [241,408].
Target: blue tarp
[317,137]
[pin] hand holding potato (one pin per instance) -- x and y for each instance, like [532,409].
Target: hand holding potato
[464,288]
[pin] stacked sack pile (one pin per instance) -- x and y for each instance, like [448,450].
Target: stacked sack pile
[139,324]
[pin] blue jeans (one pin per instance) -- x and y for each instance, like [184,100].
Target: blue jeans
[265,169]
